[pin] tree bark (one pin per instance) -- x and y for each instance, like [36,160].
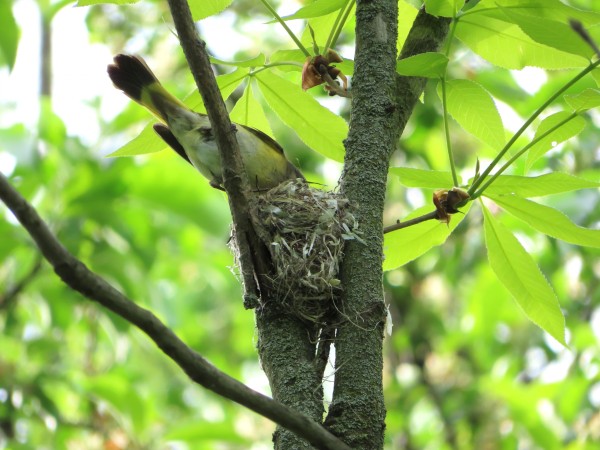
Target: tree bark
[382,103]
[287,352]
[357,411]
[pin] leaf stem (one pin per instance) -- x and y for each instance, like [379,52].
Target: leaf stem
[445,105]
[333,31]
[520,152]
[450,36]
[447,132]
[510,143]
[285,27]
[339,25]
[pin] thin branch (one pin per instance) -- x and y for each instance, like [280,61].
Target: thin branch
[339,25]
[528,122]
[252,254]
[76,275]
[285,27]
[521,152]
[11,294]
[409,223]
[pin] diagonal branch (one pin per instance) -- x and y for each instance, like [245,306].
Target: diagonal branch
[77,276]
[252,254]
[280,361]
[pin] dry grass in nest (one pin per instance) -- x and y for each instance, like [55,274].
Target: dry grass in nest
[305,229]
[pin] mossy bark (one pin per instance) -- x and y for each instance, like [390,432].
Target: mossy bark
[287,348]
[381,105]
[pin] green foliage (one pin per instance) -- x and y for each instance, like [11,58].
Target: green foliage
[517,271]
[445,8]
[565,131]
[416,240]
[317,126]
[473,108]
[9,35]
[547,184]
[429,65]
[99,2]
[206,8]
[461,358]
[548,221]
[431,179]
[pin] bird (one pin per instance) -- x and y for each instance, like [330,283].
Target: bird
[190,134]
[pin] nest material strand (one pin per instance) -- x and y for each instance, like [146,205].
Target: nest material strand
[305,229]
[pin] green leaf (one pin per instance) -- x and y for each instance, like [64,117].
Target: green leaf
[9,35]
[548,221]
[432,179]
[517,271]
[550,32]
[406,18]
[404,245]
[145,142]
[296,56]
[549,9]
[444,8]
[52,129]
[321,28]
[202,9]
[248,111]
[319,128]
[473,108]
[227,83]
[596,76]
[257,61]
[100,2]
[506,45]
[317,8]
[588,99]
[429,65]
[547,184]
[569,129]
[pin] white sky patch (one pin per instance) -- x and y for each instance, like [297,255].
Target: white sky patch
[415,197]
[511,120]
[530,79]
[22,85]
[595,323]
[244,35]
[594,395]
[331,171]
[79,73]
[7,163]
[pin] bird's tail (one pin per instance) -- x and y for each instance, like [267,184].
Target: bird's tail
[131,75]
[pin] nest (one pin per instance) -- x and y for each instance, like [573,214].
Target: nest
[305,229]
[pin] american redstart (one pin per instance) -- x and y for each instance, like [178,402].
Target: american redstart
[189,133]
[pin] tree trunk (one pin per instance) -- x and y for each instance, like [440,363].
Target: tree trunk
[287,352]
[381,106]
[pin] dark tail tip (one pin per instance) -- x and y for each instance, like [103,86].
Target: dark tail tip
[130,74]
